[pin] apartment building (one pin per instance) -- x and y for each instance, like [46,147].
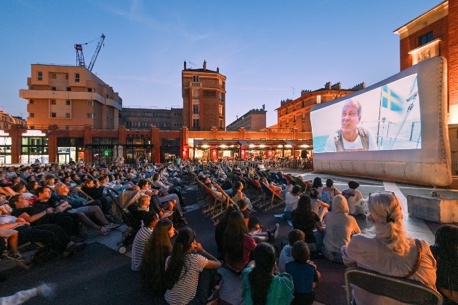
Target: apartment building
[253,120]
[204,98]
[295,114]
[144,118]
[69,96]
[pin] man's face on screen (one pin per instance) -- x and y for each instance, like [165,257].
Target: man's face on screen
[350,117]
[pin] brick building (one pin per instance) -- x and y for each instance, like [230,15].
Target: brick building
[204,95]
[69,95]
[295,114]
[253,120]
[435,33]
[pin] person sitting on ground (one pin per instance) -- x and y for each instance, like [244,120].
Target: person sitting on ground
[354,198]
[190,273]
[305,274]
[339,228]
[304,219]
[291,200]
[445,251]
[319,207]
[261,285]
[238,195]
[221,228]
[157,249]
[317,184]
[238,243]
[254,225]
[286,254]
[328,192]
[141,239]
[390,251]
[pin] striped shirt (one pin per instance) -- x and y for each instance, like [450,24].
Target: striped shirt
[138,246]
[185,289]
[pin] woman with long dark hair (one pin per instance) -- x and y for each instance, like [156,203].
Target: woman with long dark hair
[190,271]
[238,243]
[445,250]
[221,227]
[260,285]
[304,219]
[157,249]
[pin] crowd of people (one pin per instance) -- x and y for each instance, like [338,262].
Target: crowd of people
[49,204]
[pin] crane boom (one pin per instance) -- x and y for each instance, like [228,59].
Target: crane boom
[96,53]
[80,56]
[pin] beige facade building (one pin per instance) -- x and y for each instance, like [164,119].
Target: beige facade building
[204,98]
[253,120]
[69,96]
[7,120]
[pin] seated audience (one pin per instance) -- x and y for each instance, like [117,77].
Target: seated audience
[390,251]
[339,228]
[157,249]
[141,238]
[261,285]
[286,254]
[355,199]
[304,219]
[238,243]
[445,250]
[319,207]
[190,273]
[305,274]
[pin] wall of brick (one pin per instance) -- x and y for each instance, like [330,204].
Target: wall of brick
[453,52]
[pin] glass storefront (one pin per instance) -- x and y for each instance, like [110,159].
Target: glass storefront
[5,148]
[138,148]
[103,150]
[70,148]
[34,146]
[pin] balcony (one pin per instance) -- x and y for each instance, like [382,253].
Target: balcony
[195,84]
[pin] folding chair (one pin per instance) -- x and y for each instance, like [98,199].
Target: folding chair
[402,290]
[270,198]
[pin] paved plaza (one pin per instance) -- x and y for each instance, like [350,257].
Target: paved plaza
[100,275]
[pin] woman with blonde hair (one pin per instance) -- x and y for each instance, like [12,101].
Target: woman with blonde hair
[390,251]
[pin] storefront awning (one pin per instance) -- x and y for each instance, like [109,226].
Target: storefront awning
[293,145]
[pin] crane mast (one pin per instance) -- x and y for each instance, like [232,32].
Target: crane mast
[80,56]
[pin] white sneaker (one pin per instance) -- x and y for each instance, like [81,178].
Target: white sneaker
[104,230]
[111,226]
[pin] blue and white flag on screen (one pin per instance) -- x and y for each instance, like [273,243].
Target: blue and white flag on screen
[391,100]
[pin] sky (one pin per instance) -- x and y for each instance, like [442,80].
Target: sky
[268,50]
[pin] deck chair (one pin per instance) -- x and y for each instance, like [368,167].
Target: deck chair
[402,290]
[270,198]
[227,198]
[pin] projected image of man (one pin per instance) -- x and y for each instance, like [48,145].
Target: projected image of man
[351,136]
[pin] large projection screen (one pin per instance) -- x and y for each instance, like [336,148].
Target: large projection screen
[395,130]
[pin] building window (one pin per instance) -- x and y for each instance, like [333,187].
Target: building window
[40,75]
[90,103]
[195,109]
[53,88]
[66,75]
[53,102]
[69,88]
[424,39]
[67,115]
[67,102]
[53,75]
[31,115]
[220,109]
[90,115]
[195,79]
[77,77]
[195,123]
[53,114]
[196,93]
[318,99]
[31,102]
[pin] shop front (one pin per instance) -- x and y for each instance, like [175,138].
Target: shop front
[103,150]
[34,147]
[5,147]
[70,148]
[137,148]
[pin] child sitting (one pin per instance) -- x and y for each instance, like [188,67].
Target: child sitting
[304,273]
[286,254]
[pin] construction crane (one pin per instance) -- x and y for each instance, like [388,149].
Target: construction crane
[80,56]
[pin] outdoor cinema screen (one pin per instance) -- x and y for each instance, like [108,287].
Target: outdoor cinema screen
[395,130]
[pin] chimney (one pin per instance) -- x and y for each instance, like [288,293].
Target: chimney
[205,65]
[217,69]
[185,64]
[327,85]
